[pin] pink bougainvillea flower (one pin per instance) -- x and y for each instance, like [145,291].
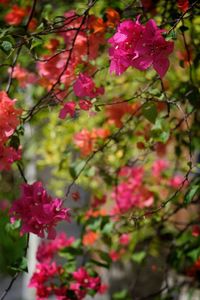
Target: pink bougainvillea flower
[8,155]
[124,239]
[139,46]
[131,191]
[84,86]
[152,49]
[41,280]
[38,212]
[85,104]
[47,250]
[123,44]
[16,15]
[9,117]
[86,281]
[23,76]
[114,255]
[158,167]
[176,181]
[69,108]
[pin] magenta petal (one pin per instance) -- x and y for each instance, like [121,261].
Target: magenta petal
[52,234]
[69,108]
[161,66]
[142,62]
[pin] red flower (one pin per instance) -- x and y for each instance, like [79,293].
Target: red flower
[183,5]
[7,156]
[196,230]
[9,117]
[16,15]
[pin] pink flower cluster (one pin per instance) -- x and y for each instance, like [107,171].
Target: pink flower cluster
[84,282]
[38,211]
[48,276]
[23,76]
[85,43]
[9,117]
[47,273]
[131,191]
[84,86]
[9,120]
[7,156]
[139,46]
[47,250]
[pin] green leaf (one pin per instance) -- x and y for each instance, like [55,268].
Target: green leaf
[120,295]
[138,256]
[160,131]
[194,254]
[76,169]
[191,193]
[193,96]
[171,36]
[6,46]
[105,256]
[20,265]
[183,28]
[15,141]
[99,263]
[108,228]
[149,110]
[13,226]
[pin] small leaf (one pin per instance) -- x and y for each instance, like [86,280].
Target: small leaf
[150,112]
[120,295]
[6,46]
[100,264]
[20,265]
[191,193]
[183,28]
[139,256]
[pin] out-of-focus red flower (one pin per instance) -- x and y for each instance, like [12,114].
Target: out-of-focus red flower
[124,239]
[8,155]
[16,15]
[113,17]
[23,76]
[183,5]
[75,196]
[9,117]
[114,255]
[52,45]
[4,2]
[185,57]
[90,238]
[118,109]
[95,213]
[32,25]
[196,230]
